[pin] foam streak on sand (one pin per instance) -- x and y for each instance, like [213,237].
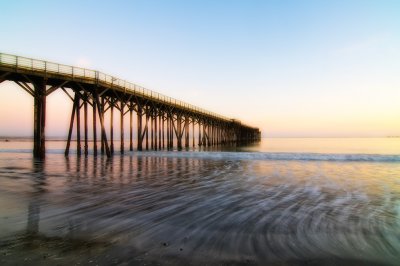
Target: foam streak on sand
[280,156]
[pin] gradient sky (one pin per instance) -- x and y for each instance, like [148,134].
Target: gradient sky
[293,68]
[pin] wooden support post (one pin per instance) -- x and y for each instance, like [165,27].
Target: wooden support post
[178,132]
[209,135]
[163,135]
[222,135]
[168,131]
[159,131]
[130,129]
[112,127]
[193,132]
[212,134]
[78,125]
[146,128]
[101,116]
[170,137]
[155,131]
[186,132]
[139,129]
[71,125]
[219,135]
[103,129]
[122,126]
[171,133]
[85,121]
[152,130]
[199,133]
[94,128]
[216,135]
[204,135]
[39,123]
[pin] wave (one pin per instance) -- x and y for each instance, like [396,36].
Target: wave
[279,156]
[267,156]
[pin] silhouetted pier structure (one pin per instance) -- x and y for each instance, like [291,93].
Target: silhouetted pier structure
[161,120]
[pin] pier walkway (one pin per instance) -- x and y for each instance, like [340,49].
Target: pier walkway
[162,122]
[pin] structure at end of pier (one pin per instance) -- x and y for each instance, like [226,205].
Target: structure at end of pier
[162,122]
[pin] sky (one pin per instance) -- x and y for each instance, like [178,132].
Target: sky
[292,68]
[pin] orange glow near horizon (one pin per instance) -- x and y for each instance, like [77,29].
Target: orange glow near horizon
[367,119]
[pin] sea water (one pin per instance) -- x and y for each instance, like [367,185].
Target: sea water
[278,202]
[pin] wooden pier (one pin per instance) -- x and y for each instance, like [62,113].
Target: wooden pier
[162,122]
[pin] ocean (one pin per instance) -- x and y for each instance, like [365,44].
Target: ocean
[283,201]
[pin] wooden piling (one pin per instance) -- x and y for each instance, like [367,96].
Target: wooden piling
[103,129]
[179,132]
[155,132]
[101,109]
[112,126]
[199,133]
[151,131]
[139,129]
[78,126]
[122,106]
[130,129]
[85,121]
[193,132]
[94,105]
[186,132]
[159,131]
[71,125]
[146,128]
[39,123]
[163,132]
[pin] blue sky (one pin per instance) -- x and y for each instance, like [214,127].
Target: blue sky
[293,68]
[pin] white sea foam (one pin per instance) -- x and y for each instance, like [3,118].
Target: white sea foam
[277,156]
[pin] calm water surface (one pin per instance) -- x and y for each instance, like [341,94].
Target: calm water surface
[282,202]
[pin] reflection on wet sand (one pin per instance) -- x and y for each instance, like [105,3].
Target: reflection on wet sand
[144,209]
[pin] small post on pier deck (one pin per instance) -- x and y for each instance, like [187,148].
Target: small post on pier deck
[39,120]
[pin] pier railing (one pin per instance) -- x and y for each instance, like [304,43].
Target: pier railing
[97,77]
